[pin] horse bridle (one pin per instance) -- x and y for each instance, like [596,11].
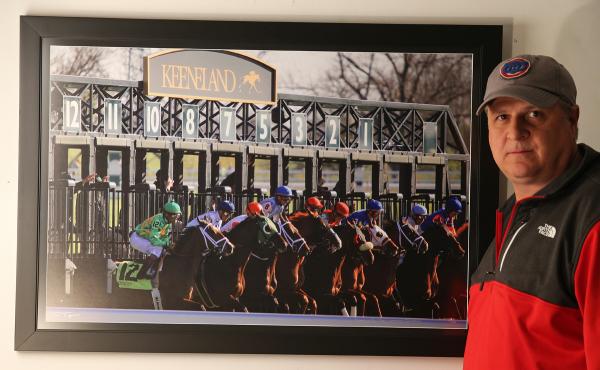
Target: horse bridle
[295,244]
[418,241]
[217,245]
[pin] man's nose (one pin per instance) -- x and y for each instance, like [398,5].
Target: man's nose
[517,129]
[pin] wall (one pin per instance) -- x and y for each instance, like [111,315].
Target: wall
[567,30]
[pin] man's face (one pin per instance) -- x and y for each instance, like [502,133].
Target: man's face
[373,214]
[282,201]
[418,219]
[224,215]
[531,145]
[171,217]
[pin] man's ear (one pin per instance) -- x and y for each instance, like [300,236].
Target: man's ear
[573,118]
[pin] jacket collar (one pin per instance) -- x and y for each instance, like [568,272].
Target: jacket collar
[587,157]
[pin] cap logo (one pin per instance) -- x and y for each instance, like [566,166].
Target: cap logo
[516,67]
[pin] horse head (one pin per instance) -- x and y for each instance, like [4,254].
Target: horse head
[355,243]
[205,236]
[260,235]
[405,236]
[440,236]
[382,243]
[292,235]
[316,232]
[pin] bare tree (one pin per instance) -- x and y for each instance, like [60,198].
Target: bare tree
[443,79]
[78,61]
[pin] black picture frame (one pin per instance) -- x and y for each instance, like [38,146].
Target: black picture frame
[38,33]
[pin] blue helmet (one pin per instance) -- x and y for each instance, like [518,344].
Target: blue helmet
[419,210]
[374,205]
[226,206]
[453,204]
[284,191]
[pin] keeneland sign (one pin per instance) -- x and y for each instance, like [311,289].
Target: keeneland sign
[209,74]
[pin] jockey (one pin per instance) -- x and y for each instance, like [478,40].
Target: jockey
[153,235]
[276,206]
[369,216]
[336,215]
[253,209]
[444,216]
[216,218]
[313,206]
[416,217]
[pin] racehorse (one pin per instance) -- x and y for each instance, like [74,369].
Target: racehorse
[323,271]
[292,298]
[181,264]
[221,280]
[353,280]
[453,273]
[417,277]
[261,283]
[380,277]
[305,232]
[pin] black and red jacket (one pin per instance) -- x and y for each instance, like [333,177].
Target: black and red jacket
[535,297]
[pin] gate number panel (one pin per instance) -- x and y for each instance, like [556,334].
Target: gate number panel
[227,126]
[189,121]
[365,133]
[112,116]
[72,113]
[298,128]
[263,126]
[429,137]
[152,119]
[332,131]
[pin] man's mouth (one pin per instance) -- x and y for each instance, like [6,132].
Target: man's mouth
[519,151]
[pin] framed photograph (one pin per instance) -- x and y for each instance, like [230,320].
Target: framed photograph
[251,187]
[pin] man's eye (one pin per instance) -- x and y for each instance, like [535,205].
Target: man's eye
[501,117]
[534,114]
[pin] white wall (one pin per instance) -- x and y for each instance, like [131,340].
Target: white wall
[567,30]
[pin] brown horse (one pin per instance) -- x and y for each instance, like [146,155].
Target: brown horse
[261,283]
[292,297]
[221,280]
[380,277]
[323,271]
[306,232]
[417,277]
[181,265]
[453,277]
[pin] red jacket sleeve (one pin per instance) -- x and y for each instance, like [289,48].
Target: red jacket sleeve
[587,291]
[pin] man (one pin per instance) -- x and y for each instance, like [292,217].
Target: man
[370,216]
[535,297]
[216,218]
[152,236]
[253,209]
[336,215]
[276,206]
[418,213]
[444,216]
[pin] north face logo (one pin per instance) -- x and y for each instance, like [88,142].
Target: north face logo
[547,230]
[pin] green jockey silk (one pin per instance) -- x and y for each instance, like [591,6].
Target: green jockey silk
[156,229]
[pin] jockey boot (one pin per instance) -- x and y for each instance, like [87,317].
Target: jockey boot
[147,266]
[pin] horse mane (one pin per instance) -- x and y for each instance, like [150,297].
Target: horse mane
[184,236]
[239,228]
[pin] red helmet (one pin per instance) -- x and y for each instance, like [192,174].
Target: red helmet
[254,208]
[342,209]
[314,202]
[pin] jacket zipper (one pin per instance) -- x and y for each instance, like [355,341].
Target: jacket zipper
[489,275]
[509,244]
